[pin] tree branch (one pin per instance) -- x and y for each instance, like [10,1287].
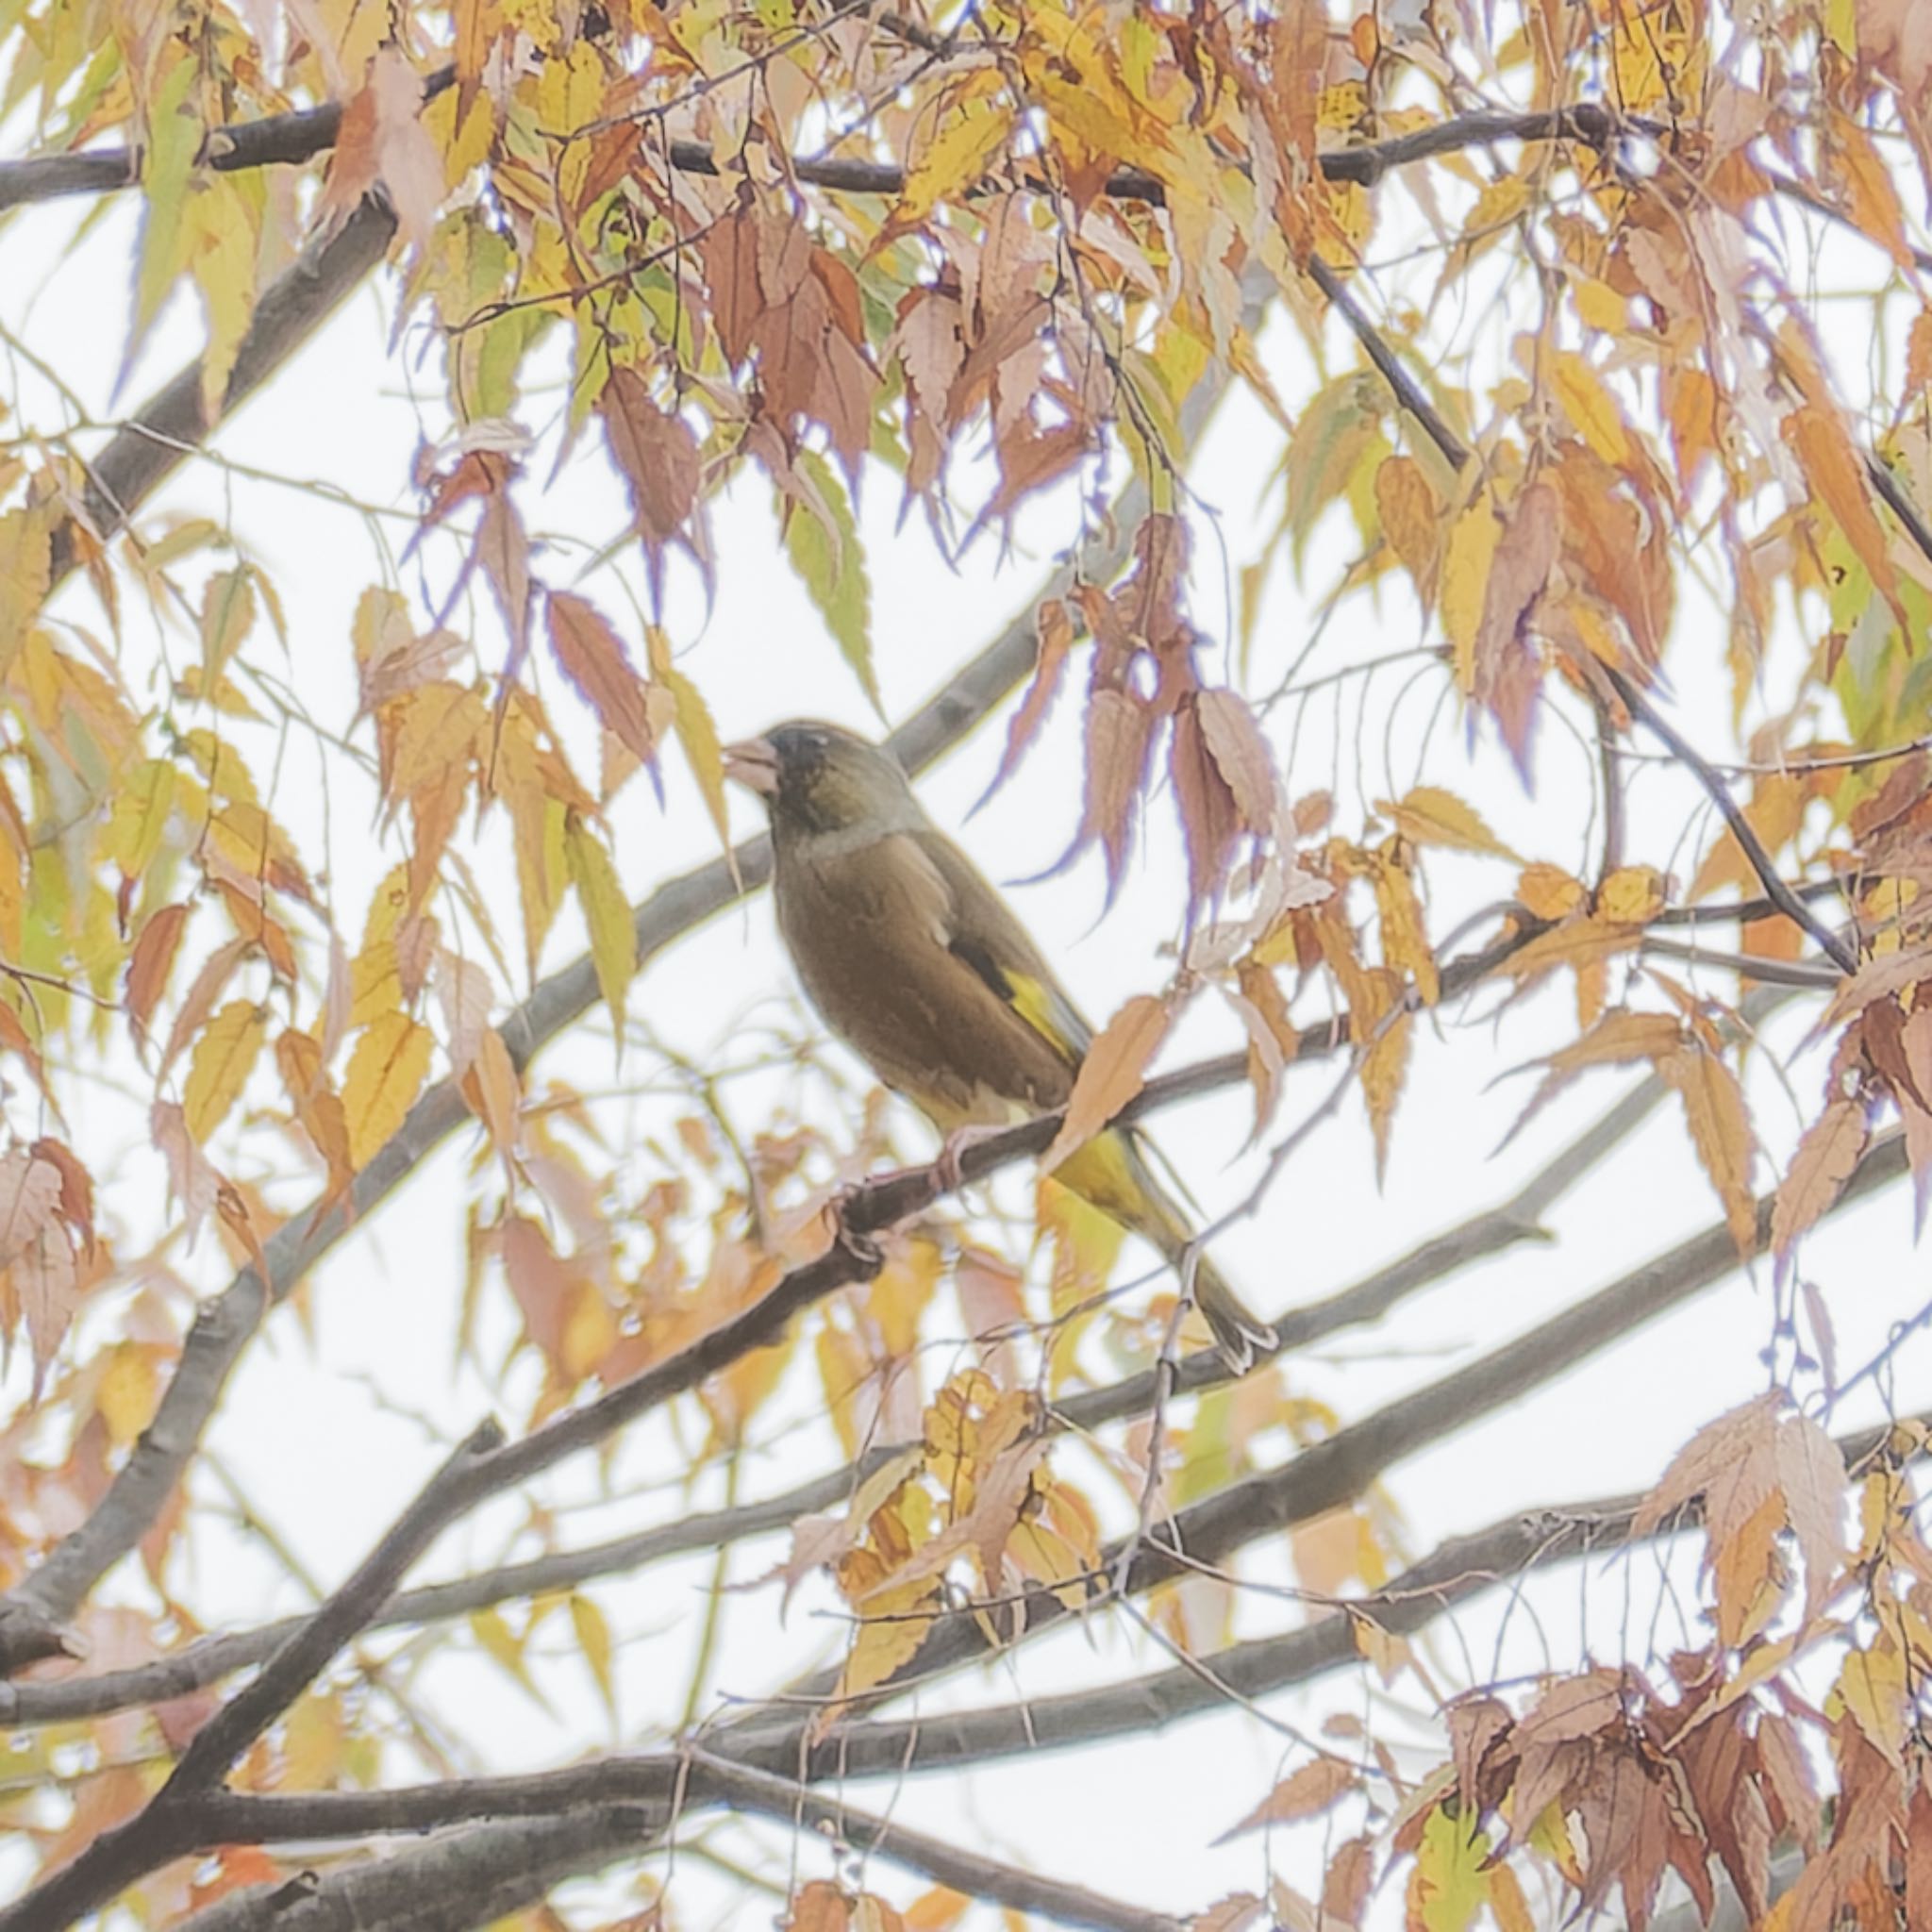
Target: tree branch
[642,1794]
[1335,1472]
[165,1827]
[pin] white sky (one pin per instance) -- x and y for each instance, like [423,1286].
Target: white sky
[328,1441]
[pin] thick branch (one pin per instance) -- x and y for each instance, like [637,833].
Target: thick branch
[639,1793]
[300,137]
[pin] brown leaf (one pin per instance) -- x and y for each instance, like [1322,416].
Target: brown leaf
[382,140]
[1302,1794]
[1242,756]
[1502,659]
[593,658]
[1211,818]
[76,1201]
[1052,625]
[1120,735]
[658,456]
[1820,1168]
[1111,1073]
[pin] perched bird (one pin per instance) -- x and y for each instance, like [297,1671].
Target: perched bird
[917,964]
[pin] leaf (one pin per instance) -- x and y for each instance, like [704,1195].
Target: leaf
[953,161]
[607,914]
[385,1072]
[1052,625]
[593,1630]
[1824,446]
[1812,1481]
[148,966]
[697,732]
[1110,1075]
[224,1057]
[658,456]
[593,658]
[1720,1126]
[827,556]
[1449,1884]
[1407,503]
[491,1090]
[1468,556]
[1820,1168]
[1302,1794]
[227,615]
[29,1193]
[382,140]
[1430,816]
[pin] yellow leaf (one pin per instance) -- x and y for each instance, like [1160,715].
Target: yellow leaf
[26,565]
[385,1072]
[698,735]
[1719,1130]
[607,914]
[1405,939]
[1448,1885]
[1547,891]
[1428,815]
[224,1057]
[1592,409]
[125,1396]
[593,1638]
[954,160]
[1632,895]
[140,817]
[1467,557]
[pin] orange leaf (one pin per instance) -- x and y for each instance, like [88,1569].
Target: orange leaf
[149,964]
[1111,1073]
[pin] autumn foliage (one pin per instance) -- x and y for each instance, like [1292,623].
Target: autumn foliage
[1589,348]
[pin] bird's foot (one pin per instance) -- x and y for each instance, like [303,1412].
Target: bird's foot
[947,1169]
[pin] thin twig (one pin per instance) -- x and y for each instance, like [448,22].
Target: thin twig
[1749,844]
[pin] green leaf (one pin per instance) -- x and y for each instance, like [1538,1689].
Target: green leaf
[607,912]
[831,563]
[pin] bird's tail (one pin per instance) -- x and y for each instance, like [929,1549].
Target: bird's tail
[1112,1173]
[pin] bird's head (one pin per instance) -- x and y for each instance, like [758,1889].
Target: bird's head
[818,778]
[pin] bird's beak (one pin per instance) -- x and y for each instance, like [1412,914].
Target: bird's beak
[755,764]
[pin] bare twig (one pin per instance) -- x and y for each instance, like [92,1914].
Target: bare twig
[1780,894]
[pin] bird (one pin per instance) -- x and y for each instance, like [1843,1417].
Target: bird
[919,965]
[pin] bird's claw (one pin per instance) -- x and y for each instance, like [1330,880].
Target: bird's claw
[947,1169]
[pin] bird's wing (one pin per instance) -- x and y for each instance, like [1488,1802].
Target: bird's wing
[984,933]
[896,947]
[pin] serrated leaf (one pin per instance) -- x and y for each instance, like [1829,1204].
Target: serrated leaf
[385,1073]
[1428,815]
[607,914]
[831,564]
[224,1057]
